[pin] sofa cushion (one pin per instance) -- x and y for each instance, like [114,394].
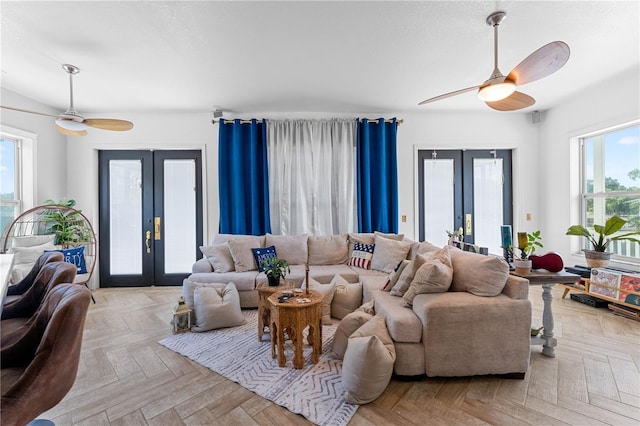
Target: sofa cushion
[327,291]
[33,240]
[406,277]
[240,249]
[346,327]
[217,308]
[329,250]
[368,362]
[371,284]
[395,274]
[391,236]
[261,254]
[325,273]
[243,280]
[361,255]
[388,253]
[434,276]
[402,322]
[478,274]
[219,256]
[292,248]
[223,238]
[346,298]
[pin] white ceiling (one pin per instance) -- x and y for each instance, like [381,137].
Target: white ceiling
[342,57]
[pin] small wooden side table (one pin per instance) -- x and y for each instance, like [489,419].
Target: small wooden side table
[294,317]
[264,312]
[547,280]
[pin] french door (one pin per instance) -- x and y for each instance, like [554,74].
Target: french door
[150,216]
[468,189]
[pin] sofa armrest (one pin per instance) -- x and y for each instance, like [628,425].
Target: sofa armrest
[201,265]
[516,287]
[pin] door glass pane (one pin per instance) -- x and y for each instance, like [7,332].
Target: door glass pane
[125,219]
[487,203]
[438,200]
[179,215]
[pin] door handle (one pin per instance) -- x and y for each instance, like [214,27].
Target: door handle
[147,241]
[467,220]
[156,228]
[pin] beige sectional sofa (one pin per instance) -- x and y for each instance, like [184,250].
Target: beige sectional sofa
[480,326]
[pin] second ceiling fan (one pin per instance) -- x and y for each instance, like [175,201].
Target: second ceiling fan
[499,91]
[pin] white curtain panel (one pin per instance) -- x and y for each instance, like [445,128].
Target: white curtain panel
[312,176]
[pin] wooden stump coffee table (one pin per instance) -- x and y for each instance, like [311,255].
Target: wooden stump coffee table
[264,309]
[293,317]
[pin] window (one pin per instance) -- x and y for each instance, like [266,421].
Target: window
[610,183]
[10,194]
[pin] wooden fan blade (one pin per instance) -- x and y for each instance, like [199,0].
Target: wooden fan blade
[541,63]
[517,100]
[70,132]
[447,95]
[109,124]
[29,112]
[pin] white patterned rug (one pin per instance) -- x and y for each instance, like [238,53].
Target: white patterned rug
[314,391]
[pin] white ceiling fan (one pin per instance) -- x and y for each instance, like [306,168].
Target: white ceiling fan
[73,124]
[499,92]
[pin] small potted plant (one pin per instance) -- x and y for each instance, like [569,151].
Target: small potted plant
[599,257]
[527,244]
[275,268]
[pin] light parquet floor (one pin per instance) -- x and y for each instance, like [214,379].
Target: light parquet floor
[126,378]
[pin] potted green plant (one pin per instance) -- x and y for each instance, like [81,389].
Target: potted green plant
[66,223]
[527,243]
[275,268]
[601,238]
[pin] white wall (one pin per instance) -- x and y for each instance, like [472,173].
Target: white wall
[613,102]
[195,131]
[50,159]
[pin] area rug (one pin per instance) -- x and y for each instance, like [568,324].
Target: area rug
[314,391]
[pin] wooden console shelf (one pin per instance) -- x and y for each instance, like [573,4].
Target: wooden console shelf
[582,286]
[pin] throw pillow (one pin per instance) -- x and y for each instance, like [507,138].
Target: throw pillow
[346,298]
[327,291]
[360,237]
[262,254]
[368,308]
[478,274]
[240,249]
[24,258]
[33,240]
[361,255]
[368,362]
[347,326]
[74,256]
[393,276]
[217,308]
[406,277]
[292,248]
[388,253]
[329,250]
[219,256]
[434,276]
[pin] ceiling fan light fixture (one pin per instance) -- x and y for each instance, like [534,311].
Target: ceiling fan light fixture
[496,91]
[71,125]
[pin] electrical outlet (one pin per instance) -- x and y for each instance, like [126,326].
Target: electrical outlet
[528,216]
[404,217]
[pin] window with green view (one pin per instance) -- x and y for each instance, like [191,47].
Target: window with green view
[611,183]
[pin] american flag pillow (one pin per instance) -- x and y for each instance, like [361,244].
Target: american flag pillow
[361,256]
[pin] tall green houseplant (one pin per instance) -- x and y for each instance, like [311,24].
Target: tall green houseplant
[66,224]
